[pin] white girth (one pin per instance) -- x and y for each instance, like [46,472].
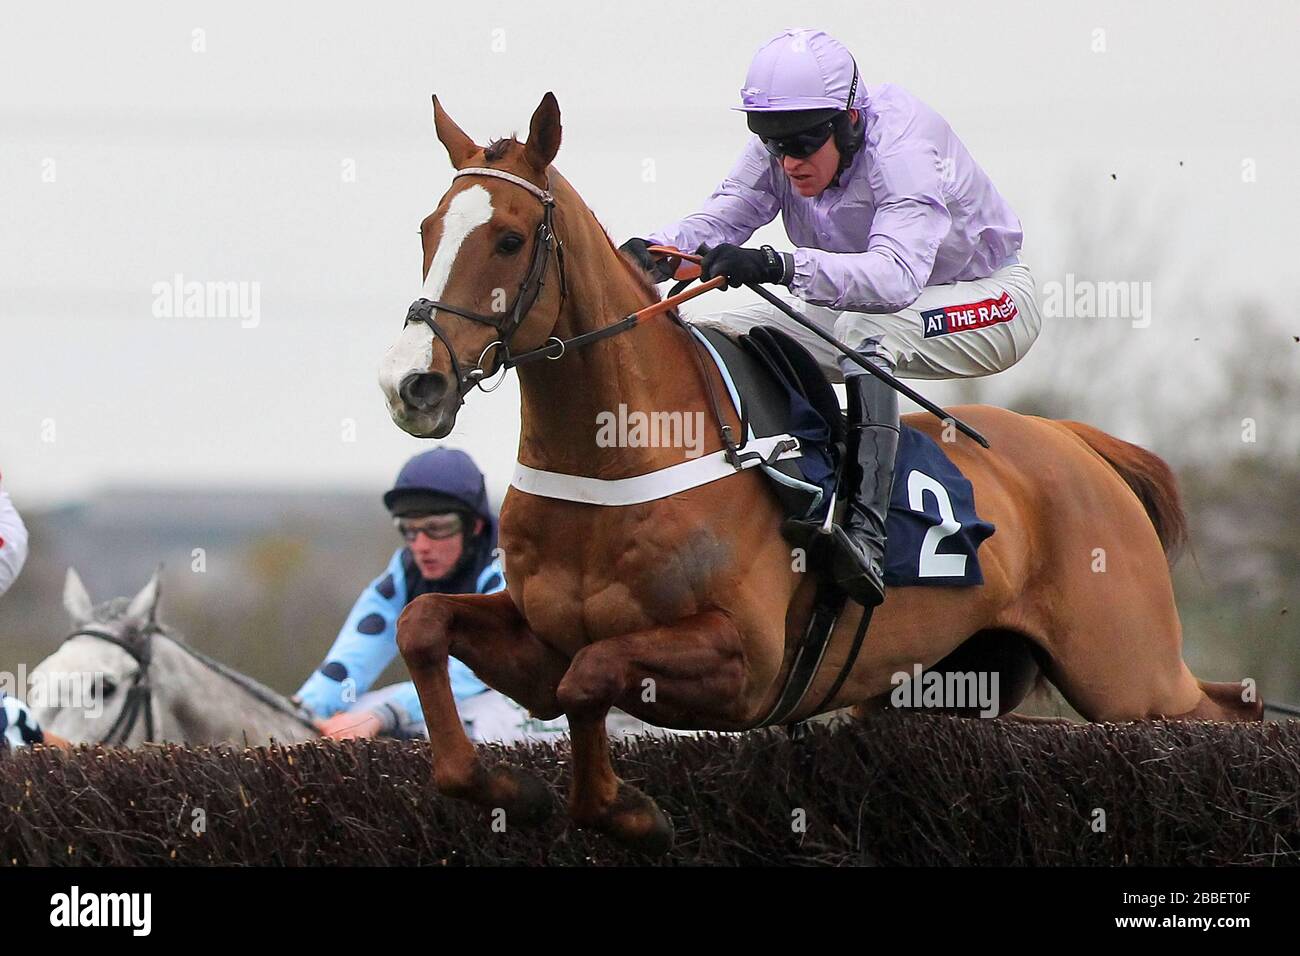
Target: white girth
[655,485]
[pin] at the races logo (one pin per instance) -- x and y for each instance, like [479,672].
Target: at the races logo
[965,318]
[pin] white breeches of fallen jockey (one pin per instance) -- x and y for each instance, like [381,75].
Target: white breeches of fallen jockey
[492,717]
[958,330]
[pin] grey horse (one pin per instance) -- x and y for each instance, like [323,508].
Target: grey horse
[123,678]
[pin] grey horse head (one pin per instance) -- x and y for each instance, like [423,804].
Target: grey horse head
[122,677]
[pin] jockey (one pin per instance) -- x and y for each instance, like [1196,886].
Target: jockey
[439,504]
[18,728]
[13,541]
[902,248]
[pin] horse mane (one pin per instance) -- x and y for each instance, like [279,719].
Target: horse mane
[497,150]
[113,612]
[638,274]
[266,695]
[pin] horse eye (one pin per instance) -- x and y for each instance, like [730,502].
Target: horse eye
[510,244]
[109,687]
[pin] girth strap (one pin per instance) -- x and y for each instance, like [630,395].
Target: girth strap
[827,607]
[656,484]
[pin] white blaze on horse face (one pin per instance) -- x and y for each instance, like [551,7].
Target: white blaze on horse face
[469,210]
[413,350]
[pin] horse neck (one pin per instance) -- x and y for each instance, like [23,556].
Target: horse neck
[199,704]
[649,369]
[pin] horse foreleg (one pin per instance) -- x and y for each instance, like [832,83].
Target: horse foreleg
[487,633]
[689,674]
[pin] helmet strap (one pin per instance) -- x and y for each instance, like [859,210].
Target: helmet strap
[849,137]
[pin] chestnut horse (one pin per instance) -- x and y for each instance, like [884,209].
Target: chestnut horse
[684,610]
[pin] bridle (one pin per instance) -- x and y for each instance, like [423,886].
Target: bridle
[139,696]
[507,323]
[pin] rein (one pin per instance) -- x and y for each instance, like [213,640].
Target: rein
[139,696]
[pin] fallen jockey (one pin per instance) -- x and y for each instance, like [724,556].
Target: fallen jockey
[904,250]
[440,507]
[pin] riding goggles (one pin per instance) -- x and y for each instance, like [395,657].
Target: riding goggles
[435,528]
[802,144]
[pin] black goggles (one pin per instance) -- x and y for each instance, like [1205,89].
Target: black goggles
[802,144]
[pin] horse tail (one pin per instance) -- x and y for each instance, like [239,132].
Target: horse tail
[1151,479]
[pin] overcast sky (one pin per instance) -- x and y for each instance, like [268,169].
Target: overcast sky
[128,156]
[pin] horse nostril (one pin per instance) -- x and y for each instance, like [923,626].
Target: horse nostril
[422,390]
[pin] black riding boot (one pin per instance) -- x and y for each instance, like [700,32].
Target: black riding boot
[857,549]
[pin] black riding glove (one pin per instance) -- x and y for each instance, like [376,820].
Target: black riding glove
[658,268]
[743,266]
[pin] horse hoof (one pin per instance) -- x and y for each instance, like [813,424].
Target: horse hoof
[525,798]
[635,821]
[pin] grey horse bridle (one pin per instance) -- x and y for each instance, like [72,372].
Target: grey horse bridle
[139,696]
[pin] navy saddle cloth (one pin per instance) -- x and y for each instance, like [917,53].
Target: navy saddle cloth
[933,528]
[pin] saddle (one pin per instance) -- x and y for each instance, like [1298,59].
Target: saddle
[933,530]
[778,388]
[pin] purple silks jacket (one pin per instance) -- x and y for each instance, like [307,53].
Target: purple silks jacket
[913,209]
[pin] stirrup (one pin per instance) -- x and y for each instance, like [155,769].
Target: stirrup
[855,570]
[833,555]
[804,533]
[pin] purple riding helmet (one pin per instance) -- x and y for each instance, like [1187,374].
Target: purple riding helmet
[802,82]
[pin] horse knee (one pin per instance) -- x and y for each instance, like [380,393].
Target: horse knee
[594,681]
[423,632]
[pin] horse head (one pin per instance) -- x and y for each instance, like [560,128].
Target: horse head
[493,273]
[122,678]
[95,686]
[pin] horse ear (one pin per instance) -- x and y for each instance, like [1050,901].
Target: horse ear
[459,146]
[543,134]
[76,599]
[143,609]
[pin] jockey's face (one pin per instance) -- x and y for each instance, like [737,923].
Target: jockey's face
[437,557]
[814,173]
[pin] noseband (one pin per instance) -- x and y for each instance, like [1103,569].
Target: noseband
[139,696]
[507,323]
